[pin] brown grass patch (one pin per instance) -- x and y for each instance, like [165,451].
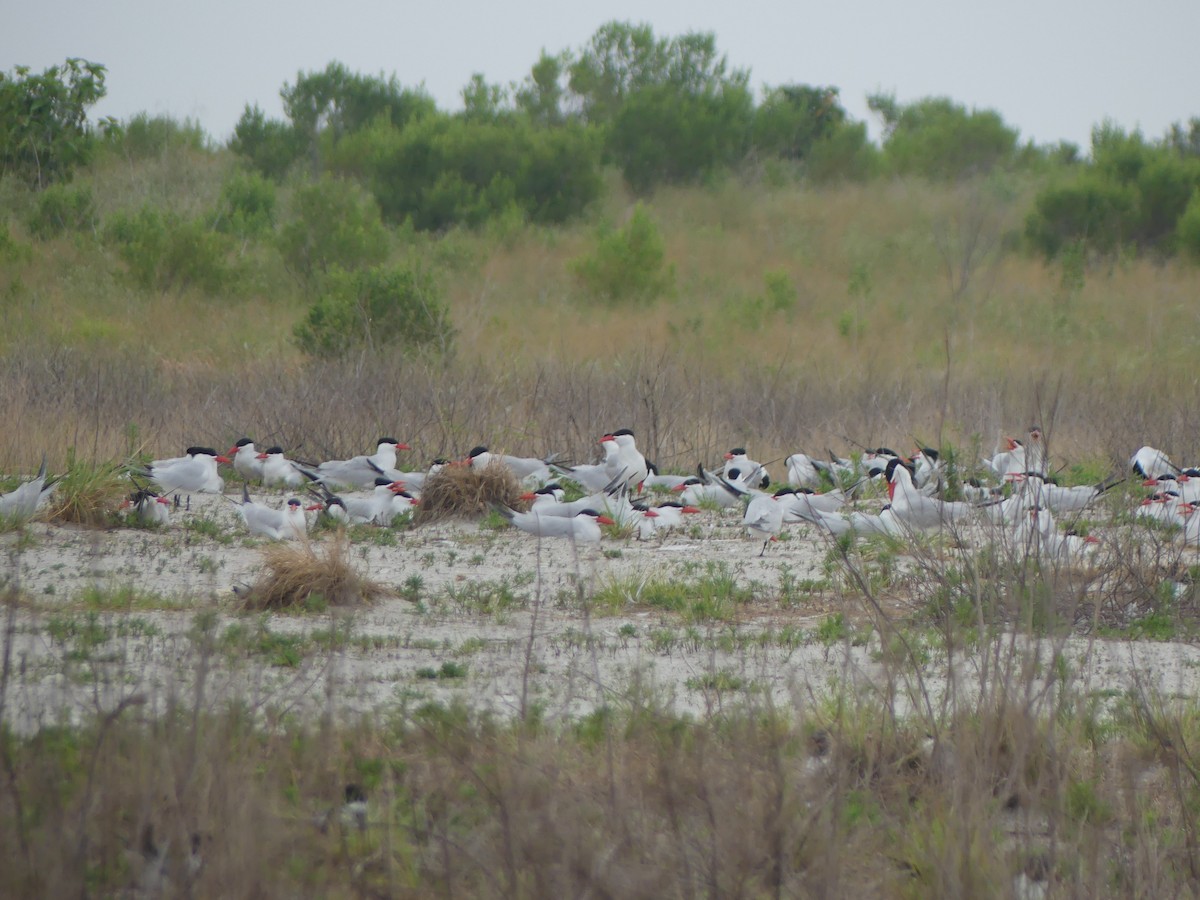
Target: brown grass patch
[294,575]
[463,491]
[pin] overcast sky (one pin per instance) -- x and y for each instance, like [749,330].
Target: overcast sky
[1052,68]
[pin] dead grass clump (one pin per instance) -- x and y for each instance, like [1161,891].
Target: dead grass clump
[297,575]
[465,491]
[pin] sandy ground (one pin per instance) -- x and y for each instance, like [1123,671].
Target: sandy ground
[544,651]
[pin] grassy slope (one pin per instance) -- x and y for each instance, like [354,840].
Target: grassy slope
[877,315]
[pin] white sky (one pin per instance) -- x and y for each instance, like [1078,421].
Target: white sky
[1052,68]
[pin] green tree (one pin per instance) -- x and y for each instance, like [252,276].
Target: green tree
[247,206]
[793,117]
[675,111]
[939,139]
[446,170]
[44,134]
[373,309]
[483,102]
[619,59]
[336,102]
[334,224]
[269,146]
[541,96]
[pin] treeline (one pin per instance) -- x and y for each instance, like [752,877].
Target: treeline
[361,156]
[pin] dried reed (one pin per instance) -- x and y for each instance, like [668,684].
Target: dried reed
[296,574]
[459,490]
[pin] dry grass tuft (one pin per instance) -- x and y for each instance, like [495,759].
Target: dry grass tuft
[296,575]
[87,493]
[464,491]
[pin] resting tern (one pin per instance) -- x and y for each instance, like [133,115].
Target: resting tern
[414,482]
[737,459]
[528,469]
[1151,463]
[548,502]
[725,494]
[596,476]
[192,474]
[916,510]
[802,472]
[148,507]
[360,471]
[387,500]
[277,469]
[1187,487]
[583,528]
[861,523]
[662,518]
[29,497]
[247,461]
[287,524]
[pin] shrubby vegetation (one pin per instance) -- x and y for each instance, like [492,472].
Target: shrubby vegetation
[334,224]
[44,135]
[165,251]
[1134,194]
[628,263]
[376,308]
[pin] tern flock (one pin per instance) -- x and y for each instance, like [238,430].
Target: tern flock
[1016,493]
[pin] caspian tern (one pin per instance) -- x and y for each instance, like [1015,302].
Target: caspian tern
[1187,487]
[247,461]
[387,500]
[1036,533]
[1035,451]
[657,480]
[29,497]
[526,468]
[802,473]
[861,523]
[916,510]
[583,528]
[548,502]
[148,507]
[807,505]
[414,482]
[360,471]
[662,518]
[737,459]
[930,475]
[1010,459]
[287,524]
[596,476]
[192,474]
[629,464]
[725,494]
[277,469]
[765,515]
[1151,463]
[1165,508]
